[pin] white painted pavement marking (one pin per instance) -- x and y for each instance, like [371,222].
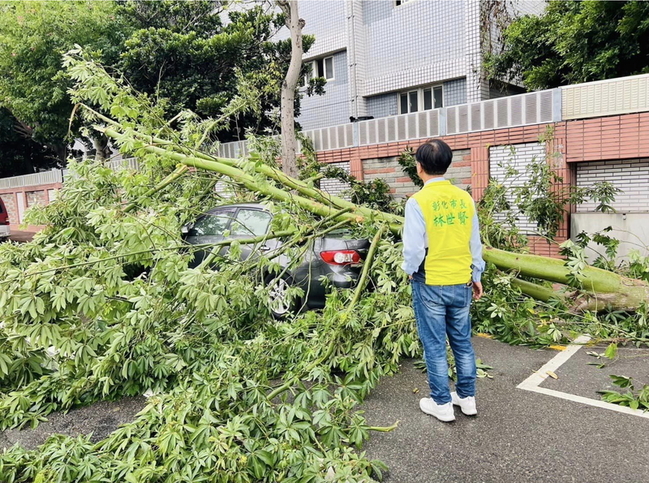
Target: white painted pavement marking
[533,382]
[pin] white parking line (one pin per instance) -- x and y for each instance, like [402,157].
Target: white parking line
[533,382]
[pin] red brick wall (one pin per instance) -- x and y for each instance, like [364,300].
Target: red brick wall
[607,138]
[32,195]
[613,137]
[389,170]
[36,197]
[541,246]
[9,201]
[477,156]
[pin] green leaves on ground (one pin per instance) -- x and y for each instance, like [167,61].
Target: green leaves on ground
[102,304]
[635,399]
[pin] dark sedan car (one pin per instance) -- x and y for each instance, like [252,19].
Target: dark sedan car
[334,257]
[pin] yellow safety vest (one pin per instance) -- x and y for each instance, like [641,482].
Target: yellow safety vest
[448,212]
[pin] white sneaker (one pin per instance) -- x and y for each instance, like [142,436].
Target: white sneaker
[467,404]
[443,412]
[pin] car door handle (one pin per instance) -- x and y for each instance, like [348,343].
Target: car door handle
[264,248]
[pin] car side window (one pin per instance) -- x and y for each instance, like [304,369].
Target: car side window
[210,225]
[251,223]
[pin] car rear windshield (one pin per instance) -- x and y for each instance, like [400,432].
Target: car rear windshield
[341,233]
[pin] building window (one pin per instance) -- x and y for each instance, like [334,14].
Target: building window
[401,2]
[422,99]
[320,68]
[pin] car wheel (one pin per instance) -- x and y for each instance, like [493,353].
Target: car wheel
[279,302]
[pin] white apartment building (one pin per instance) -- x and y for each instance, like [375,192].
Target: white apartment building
[388,57]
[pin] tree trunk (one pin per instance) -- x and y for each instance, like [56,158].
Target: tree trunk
[289,143]
[603,289]
[99,143]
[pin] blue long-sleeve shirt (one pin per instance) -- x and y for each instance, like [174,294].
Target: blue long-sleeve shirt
[415,241]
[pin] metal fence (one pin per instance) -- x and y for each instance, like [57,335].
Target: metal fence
[581,101]
[55,176]
[606,98]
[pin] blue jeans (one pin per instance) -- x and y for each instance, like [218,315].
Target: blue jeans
[440,311]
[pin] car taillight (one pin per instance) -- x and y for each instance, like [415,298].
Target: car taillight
[340,257]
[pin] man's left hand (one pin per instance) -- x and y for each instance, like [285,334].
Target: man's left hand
[477,290]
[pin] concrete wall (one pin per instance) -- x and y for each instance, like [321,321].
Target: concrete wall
[405,50]
[327,21]
[631,229]
[388,49]
[382,105]
[454,92]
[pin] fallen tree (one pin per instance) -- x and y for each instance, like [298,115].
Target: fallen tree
[102,304]
[601,289]
[589,289]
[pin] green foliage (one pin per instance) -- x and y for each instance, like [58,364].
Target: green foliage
[498,222]
[573,42]
[630,398]
[373,194]
[179,53]
[504,311]
[20,154]
[539,194]
[33,37]
[201,340]
[408,163]
[183,52]
[102,304]
[635,265]
[511,317]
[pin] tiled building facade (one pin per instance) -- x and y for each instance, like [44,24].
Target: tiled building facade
[392,57]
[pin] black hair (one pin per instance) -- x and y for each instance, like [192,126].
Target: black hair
[435,156]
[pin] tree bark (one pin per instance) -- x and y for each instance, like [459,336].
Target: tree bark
[99,143]
[289,142]
[601,289]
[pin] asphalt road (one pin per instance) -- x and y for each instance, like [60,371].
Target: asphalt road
[518,436]
[98,420]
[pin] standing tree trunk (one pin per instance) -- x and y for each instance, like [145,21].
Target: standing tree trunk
[289,143]
[99,143]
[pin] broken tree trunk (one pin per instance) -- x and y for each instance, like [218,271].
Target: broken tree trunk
[601,289]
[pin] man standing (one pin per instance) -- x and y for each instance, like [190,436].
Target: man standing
[443,259]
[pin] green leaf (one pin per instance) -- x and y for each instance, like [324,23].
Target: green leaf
[622,381]
[611,351]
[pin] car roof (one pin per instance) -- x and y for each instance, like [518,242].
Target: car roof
[257,206]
